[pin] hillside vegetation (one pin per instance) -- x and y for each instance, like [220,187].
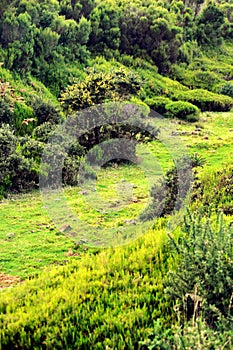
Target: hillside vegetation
[171,287]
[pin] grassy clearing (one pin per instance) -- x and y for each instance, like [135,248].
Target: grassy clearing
[30,241]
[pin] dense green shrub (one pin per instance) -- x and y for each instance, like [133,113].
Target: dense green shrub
[23,118]
[182,110]
[202,281]
[8,144]
[227,89]
[196,78]
[43,131]
[46,111]
[209,23]
[169,108]
[32,149]
[167,195]
[205,100]
[17,172]
[6,102]
[158,103]
[99,87]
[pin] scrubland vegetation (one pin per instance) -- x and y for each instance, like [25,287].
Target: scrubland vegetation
[172,287]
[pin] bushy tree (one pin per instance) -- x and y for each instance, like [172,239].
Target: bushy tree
[105,28]
[209,24]
[99,87]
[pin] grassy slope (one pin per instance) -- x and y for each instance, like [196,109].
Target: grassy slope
[30,241]
[117,292]
[129,279]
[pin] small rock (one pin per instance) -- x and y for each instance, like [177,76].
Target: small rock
[206,137]
[65,228]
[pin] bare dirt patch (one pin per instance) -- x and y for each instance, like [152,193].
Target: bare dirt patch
[8,280]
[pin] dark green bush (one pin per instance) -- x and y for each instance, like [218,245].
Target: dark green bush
[182,110]
[227,89]
[43,131]
[167,196]
[17,172]
[46,112]
[177,109]
[8,144]
[205,100]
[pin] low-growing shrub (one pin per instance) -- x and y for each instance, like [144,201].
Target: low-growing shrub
[158,103]
[16,171]
[182,110]
[205,100]
[196,79]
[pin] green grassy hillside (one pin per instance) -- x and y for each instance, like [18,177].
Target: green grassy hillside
[65,283]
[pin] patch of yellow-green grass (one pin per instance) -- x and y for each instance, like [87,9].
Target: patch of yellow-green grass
[30,240]
[211,137]
[105,301]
